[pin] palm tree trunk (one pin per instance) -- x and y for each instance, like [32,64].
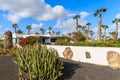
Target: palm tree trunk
[99,28]
[77,25]
[28,31]
[116,30]
[87,35]
[15,30]
[15,38]
[105,35]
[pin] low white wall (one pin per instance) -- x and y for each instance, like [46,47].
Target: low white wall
[98,54]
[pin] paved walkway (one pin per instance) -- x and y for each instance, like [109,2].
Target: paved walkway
[73,71]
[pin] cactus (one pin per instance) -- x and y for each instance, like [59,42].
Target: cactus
[38,63]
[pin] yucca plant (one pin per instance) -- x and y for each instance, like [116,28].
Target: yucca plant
[38,63]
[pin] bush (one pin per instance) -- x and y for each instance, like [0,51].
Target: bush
[30,40]
[78,36]
[66,39]
[1,44]
[47,43]
[39,63]
[61,42]
[95,44]
[10,52]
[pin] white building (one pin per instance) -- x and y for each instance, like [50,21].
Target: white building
[1,36]
[48,38]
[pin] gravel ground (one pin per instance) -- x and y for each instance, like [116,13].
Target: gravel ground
[73,71]
[8,70]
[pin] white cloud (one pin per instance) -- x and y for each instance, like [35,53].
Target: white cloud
[0,27]
[83,14]
[117,15]
[36,27]
[37,9]
[68,25]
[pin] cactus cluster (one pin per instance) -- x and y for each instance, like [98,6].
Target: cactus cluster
[38,63]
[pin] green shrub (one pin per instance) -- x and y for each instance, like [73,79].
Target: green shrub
[47,43]
[66,38]
[61,42]
[1,44]
[96,44]
[78,36]
[39,63]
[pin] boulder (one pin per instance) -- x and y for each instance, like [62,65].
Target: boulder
[8,40]
[68,54]
[113,59]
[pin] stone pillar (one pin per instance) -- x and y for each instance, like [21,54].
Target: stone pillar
[8,40]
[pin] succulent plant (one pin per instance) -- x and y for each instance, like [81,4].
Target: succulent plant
[38,63]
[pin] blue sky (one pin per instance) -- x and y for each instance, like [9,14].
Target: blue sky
[56,14]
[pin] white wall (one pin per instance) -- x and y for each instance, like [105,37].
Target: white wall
[98,54]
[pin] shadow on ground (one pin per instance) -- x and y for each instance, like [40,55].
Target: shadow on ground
[70,68]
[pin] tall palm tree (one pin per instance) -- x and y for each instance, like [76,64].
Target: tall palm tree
[79,28]
[76,18]
[28,27]
[69,34]
[42,31]
[50,30]
[116,21]
[91,33]
[113,34]
[15,26]
[19,31]
[99,12]
[58,33]
[53,32]
[36,33]
[88,25]
[104,27]
[84,29]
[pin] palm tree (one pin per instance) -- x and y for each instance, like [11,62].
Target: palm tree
[36,33]
[113,34]
[69,34]
[28,27]
[88,25]
[99,12]
[53,32]
[79,28]
[76,18]
[84,29]
[104,27]
[15,26]
[116,21]
[91,33]
[19,31]
[42,31]
[58,33]
[50,29]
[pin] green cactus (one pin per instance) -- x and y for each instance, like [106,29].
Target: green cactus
[38,63]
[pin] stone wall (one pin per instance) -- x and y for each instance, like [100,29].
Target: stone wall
[94,55]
